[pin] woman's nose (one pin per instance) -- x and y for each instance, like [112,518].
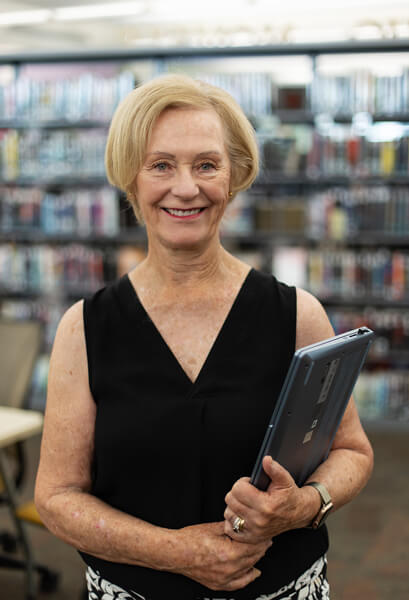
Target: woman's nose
[184,185]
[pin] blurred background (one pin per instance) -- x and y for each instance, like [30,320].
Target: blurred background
[326,87]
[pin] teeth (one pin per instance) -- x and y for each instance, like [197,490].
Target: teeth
[183,213]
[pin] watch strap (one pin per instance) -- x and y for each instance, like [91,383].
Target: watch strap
[326,504]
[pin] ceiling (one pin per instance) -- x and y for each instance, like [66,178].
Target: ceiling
[35,25]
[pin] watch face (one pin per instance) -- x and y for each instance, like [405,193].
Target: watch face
[322,515]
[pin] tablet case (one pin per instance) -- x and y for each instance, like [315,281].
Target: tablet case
[311,404]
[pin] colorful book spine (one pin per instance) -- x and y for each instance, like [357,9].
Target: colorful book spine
[383,396]
[390,324]
[46,154]
[43,270]
[75,212]
[361,91]
[88,96]
[342,212]
[346,275]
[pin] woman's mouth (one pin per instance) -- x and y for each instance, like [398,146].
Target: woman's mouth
[182,213]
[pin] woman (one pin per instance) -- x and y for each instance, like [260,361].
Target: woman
[162,384]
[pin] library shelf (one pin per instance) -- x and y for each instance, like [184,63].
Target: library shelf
[187,52]
[255,238]
[375,117]
[381,425]
[376,238]
[136,235]
[262,183]
[363,301]
[289,116]
[52,124]
[267,180]
[400,357]
[63,181]
[299,181]
[51,295]
[299,116]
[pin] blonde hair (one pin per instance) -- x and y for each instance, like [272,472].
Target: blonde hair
[135,116]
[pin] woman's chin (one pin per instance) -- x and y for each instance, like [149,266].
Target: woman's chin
[186,241]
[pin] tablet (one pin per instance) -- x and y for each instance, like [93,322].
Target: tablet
[311,404]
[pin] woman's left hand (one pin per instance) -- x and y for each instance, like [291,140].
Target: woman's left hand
[266,514]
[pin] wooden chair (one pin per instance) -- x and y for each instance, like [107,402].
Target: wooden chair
[20,343]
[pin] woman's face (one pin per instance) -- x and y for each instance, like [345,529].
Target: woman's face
[183,186]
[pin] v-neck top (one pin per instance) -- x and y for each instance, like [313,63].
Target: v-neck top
[167,450]
[163,342]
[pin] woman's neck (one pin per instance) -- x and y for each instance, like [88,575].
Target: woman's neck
[183,270]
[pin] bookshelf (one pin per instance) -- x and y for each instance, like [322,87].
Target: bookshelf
[331,204]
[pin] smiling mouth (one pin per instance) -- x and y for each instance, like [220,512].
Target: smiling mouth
[181,212]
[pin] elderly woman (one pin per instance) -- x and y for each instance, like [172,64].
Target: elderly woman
[161,385]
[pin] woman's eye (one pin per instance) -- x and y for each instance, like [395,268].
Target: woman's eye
[160,166]
[207,166]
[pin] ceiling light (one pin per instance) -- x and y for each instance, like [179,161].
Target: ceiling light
[24,17]
[98,11]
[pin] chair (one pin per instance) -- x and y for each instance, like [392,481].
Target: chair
[20,343]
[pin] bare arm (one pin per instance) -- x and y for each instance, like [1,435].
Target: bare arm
[349,465]
[63,485]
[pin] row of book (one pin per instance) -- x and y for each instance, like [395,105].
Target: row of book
[328,273]
[44,154]
[80,212]
[283,215]
[260,93]
[49,304]
[255,92]
[336,213]
[391,326]
[331,273]
[341,152]
[46,270]
[361,91]
[337,152]
[65,152]
[88,96]
[383,396]
[339,212]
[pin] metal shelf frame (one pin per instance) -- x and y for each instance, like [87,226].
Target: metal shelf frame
[158,53]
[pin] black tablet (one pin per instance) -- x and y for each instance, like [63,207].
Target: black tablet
[311,404]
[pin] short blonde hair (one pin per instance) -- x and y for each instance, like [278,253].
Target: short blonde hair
[135,116]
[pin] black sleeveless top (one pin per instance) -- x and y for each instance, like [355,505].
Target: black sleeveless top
[168,450]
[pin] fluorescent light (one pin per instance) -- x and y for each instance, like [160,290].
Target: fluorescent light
[98,11]
[24,17]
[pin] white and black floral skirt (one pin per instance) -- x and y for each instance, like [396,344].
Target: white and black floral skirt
[311,585]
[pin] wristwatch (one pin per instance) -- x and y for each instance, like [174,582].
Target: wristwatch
[326,505]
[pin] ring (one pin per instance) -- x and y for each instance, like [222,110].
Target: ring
[238,525]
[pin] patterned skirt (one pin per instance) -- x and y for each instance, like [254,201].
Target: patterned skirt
[311,585]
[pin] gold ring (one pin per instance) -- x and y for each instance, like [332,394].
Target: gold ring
[238,525]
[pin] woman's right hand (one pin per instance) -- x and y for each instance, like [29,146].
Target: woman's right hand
[216,561]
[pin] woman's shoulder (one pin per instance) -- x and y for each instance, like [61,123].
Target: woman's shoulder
[313,324]
[71,324]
